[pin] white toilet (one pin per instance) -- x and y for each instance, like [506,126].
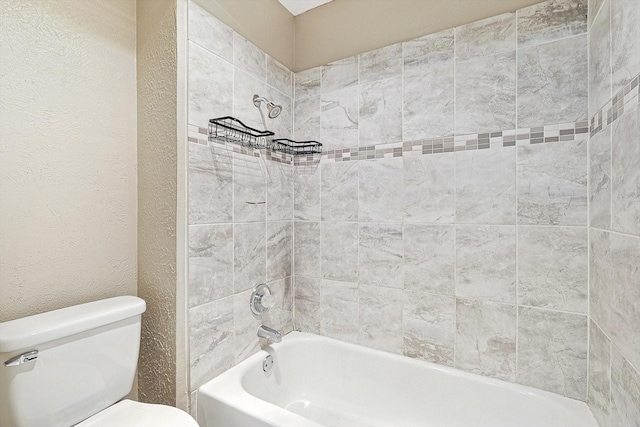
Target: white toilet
[69,367]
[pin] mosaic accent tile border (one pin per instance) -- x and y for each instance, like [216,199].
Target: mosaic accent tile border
[627,98]
[488,140]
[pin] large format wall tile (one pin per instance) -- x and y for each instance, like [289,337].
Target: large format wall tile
[625,42]
[245,325]
[381,255]
[600,179]
[552,184]
[552,351]
[307,122]
[340,310]
[339,251]
[246,85]
[429,188]
[210,185]
[210,263]
[486,37]
[307,254]
[551,20]
[380,195]
[307,304]
[600,61]
[249,189]
[600,278]
[280,315]
[553,82]
[210,33]
[339,196]
[486,263]
[429,258]
[381,318]
[625,392]
[486,93]
[339,119]
[280,125]
[429,327]
[249,253]
[381,63]
[599,391]
[625,196]
[279,250]
[552,268]
[210,86]
[279,191]
[340,74]
[279,76]
[594,7]
[306,193]
[307,83]
[249,57]
[485,186]
[486,338]
[381,111]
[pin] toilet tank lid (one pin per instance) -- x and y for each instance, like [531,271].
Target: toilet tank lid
[28,332]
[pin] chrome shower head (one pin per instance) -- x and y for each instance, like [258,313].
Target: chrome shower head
[273,109]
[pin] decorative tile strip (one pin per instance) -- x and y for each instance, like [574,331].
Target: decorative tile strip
[488,140]
[627,98]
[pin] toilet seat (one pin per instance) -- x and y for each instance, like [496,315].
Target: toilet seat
[128,413]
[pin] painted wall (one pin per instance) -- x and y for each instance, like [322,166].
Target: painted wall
[448,219]
[240,200]
[614,196]
[67,153]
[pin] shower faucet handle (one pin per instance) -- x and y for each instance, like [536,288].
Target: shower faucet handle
[261,300]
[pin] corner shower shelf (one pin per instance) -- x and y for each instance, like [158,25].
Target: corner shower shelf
[230,129]
[296,147]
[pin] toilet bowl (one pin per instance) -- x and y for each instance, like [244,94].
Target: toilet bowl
[74,366]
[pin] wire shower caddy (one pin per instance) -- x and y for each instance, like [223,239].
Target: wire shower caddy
[230,129]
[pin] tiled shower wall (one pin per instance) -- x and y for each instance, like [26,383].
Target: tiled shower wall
[448,219]
[240,200]
[614,196]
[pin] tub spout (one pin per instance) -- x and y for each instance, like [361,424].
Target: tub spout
[269,333]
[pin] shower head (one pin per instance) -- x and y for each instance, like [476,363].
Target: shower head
[273,109]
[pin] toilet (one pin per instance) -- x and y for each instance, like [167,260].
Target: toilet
[74,366]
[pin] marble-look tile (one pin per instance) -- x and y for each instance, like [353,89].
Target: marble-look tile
[210,263]
[625,42]
[600,61]
[280,316]
[600,179]
[249,57]
[246,341]
[279,76]
[594,8]
[552,268]
[211,336]
[249,188]
[245,86]
[210,185]
[279,191]
[380,195]
[307,83]
[306,193]
[485,186]
[340,310]
[339,119]
[193,404]
[339,194]
[486,37]
[625,392]
[307,304]
[279,250]
[209,32]
[381,63]
[429,258]
[552,351]
[625,195]
[380,119]
[381,318]
[553,82]
[551,20]
[428,86]
[552,184]
[249,254]
[486,93]
[306,243]
[339,251]
[600,278]
[210,86]
[429,188]
[340,74]
[486,263]
[486,338]
[429,327]
[599,390]
[380,255]
[282,125]
[306,125]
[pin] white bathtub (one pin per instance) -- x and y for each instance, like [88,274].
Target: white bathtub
[317,381]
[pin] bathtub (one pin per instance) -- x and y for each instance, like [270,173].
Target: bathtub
[316,381]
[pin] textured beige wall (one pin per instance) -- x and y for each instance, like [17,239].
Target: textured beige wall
[266,23]
[344,28]
[157,197]
[67,153]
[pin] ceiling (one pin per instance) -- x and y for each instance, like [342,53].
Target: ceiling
[296,7]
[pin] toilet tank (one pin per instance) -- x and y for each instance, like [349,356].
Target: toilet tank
[86,361]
